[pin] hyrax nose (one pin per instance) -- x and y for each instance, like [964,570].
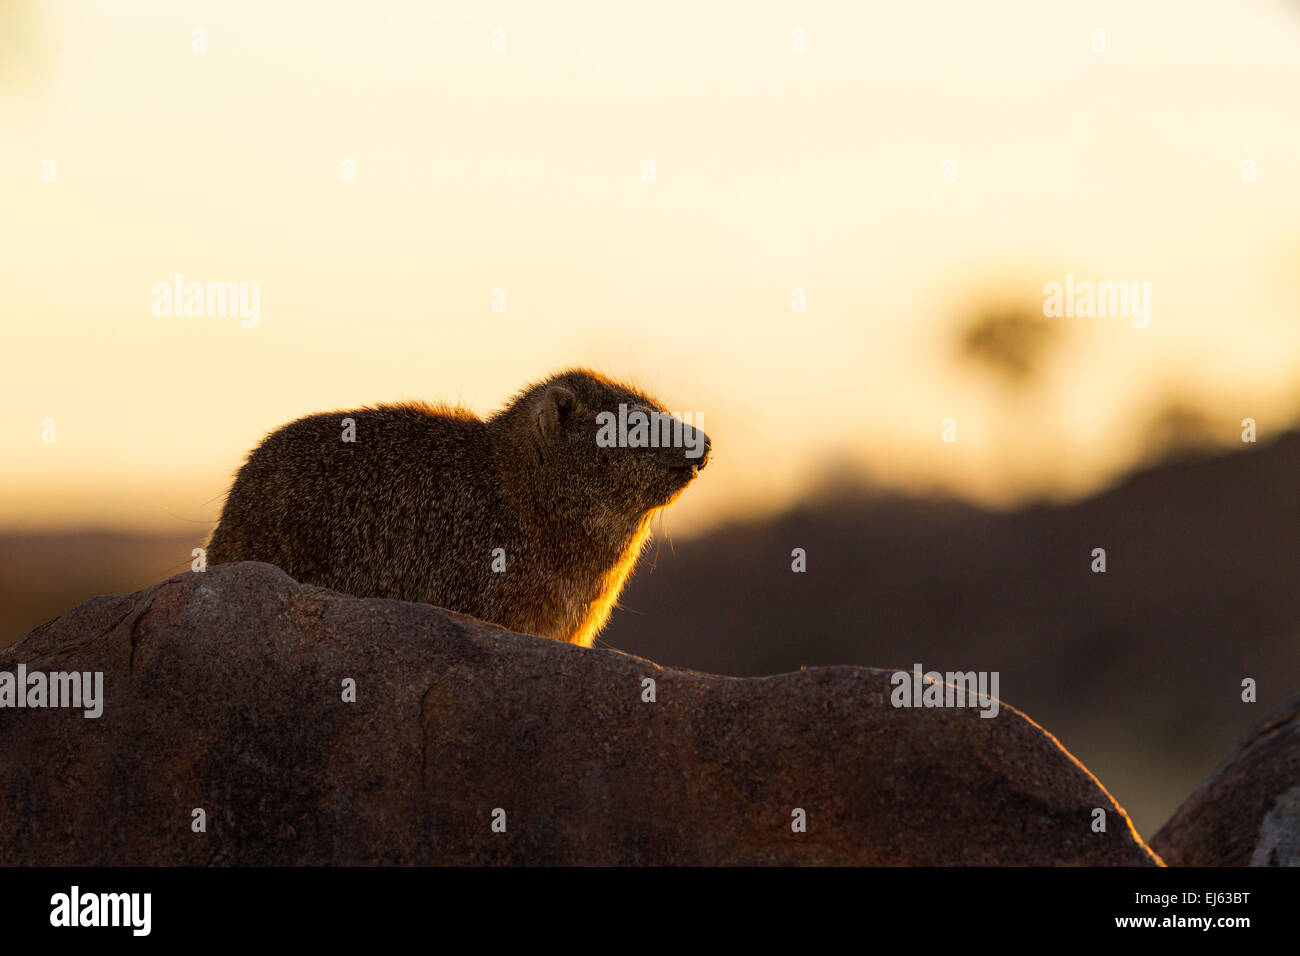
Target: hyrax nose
[700,445]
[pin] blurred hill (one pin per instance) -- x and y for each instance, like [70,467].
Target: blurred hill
[1136,671]
[43,575]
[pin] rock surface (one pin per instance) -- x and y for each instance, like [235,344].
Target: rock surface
[223,692]
[1248,812]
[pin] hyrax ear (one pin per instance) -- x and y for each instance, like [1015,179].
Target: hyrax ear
[556,405]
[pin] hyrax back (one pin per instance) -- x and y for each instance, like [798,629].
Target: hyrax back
[525,520]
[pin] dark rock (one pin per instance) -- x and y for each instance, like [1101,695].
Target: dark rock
[1248,812]
[223,691]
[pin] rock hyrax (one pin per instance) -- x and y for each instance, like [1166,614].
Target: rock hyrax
[532,519]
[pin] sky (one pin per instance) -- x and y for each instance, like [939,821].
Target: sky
[380,170]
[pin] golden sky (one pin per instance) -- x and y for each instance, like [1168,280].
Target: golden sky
[522,170]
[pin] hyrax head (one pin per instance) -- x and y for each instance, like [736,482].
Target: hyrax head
[626,448]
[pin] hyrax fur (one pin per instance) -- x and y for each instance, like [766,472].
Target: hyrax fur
[429,503]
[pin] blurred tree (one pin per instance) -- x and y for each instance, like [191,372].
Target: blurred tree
[1009,342]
